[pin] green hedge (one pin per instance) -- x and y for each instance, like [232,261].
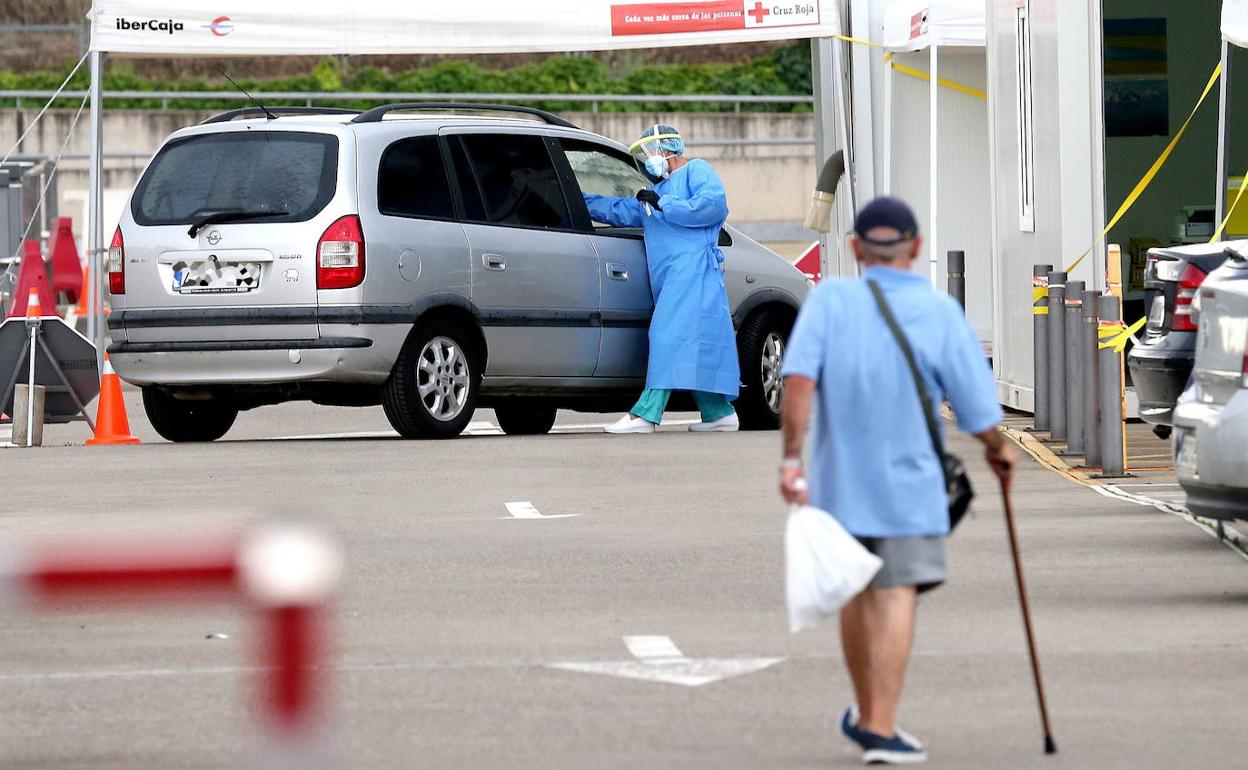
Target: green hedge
[785,72]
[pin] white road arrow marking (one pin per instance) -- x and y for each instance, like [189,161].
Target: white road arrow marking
[483,428]
[524,509]
[658,659]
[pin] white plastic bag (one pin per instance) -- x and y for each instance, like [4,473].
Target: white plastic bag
[825,567]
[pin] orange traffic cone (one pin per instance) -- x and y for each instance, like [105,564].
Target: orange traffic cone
[34,308]
[111,425]
[84,306]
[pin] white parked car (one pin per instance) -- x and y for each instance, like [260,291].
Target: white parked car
[1211,419]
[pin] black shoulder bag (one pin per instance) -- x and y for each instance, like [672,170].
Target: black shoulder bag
[957,483]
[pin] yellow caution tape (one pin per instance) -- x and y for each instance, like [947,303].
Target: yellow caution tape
[857,41]
[1217,235]
[1114,334]
[916,73]
[921,75]
[1149,175]
[1038,295]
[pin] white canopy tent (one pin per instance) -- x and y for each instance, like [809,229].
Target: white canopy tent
[299,27]
[911,26]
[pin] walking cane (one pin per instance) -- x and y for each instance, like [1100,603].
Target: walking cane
[1049,746]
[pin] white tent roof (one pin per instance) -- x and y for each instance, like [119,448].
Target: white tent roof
[290,27]
[912,25]
[1235,22]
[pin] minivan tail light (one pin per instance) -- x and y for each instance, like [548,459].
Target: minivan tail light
[340,255]
[1189,283]
[117,264]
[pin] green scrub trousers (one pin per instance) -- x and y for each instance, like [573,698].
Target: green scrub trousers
[653,402]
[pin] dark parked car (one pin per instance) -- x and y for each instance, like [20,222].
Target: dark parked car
[1162,363]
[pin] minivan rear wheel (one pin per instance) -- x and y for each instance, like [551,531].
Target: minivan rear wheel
[524,418]
[432,391]
[761,343]
[183,420]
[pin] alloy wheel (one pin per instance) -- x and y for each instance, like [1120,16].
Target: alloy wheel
[772,360]
[442,378]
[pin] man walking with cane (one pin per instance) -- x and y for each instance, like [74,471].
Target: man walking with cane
[873,465]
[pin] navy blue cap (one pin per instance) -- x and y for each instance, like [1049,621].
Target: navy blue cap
[886,212]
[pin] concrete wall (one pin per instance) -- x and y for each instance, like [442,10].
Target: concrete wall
[768,186]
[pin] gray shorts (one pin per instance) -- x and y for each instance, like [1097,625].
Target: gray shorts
[908,561]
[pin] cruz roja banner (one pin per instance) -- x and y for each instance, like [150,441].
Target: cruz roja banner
[290,27]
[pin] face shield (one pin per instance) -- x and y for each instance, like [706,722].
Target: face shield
[655,146]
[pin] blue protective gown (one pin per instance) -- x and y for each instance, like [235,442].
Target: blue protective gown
[692,345]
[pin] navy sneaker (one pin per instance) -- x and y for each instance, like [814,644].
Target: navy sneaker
[903,749]
[849,724]
[878,750]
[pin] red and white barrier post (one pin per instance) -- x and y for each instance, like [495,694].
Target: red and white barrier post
[289,573]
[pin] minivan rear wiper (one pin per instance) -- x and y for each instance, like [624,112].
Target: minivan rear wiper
[221,217]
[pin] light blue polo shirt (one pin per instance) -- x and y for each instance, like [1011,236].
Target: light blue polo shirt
[872,465]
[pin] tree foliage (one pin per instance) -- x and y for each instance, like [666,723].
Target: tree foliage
[785,72]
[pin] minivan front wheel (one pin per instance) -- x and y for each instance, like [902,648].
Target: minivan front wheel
[182,420]
[761,345]
[432,391]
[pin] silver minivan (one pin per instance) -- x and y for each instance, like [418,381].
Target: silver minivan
[431,259]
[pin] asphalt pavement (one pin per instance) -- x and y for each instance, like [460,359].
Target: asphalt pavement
[468,636]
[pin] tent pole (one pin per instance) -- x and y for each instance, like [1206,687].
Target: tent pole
[95,234]
[886,162]
[1224,138]
[843,106]
[933,253]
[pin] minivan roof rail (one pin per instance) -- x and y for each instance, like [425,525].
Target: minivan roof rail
[379,113]
[226,117]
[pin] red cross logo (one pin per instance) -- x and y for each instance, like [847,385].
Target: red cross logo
[758,12]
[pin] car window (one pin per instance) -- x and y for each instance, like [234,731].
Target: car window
[600,171]
[412,182]
[517,181]
[253,171]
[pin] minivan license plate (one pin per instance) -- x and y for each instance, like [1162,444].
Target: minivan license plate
[214,277]
[1185,453]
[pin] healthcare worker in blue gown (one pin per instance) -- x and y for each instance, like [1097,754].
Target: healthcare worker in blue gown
[692,346]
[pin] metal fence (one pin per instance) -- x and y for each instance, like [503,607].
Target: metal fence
[594,102]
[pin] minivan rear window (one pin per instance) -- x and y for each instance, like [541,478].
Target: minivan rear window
[252,171]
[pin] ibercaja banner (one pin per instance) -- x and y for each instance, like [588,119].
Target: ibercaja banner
[277,27]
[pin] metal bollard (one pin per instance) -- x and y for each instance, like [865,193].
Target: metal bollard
[1074,369]
[956,268]
[1109,365]
[1040,343]
[1091,381]
[1057,355]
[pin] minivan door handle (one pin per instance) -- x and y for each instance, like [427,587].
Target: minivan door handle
[617,271]
[494,261]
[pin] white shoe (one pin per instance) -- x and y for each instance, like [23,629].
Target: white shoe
[722,425]
[630,424]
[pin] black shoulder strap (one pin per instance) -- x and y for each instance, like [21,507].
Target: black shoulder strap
[925,398]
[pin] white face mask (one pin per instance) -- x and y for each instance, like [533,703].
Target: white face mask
[656,165]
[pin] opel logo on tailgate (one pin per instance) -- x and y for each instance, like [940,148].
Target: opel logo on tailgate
[214,237]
